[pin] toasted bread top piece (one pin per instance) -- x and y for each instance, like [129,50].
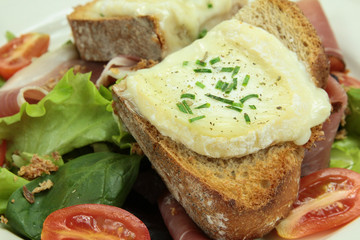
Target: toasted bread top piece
[286,21]
[146,29]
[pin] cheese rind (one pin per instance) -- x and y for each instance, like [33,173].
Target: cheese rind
[284,103]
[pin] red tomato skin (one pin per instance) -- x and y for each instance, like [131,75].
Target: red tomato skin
[2,152]
[336,182]
[18,53]
[92,221]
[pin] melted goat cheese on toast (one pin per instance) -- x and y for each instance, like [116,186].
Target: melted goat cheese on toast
[244,90]
[180,20]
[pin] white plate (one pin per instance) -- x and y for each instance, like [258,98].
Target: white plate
[49,16]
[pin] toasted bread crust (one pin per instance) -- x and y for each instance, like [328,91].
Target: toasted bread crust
[248,205]
[285,20]
[104,39]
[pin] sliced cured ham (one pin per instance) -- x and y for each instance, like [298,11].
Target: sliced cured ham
[314,12]
[179,224]
[32,83]
[318,157]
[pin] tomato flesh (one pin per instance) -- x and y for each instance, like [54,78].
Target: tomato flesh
[2,152]
[19,52]
[327,199]
[93,221]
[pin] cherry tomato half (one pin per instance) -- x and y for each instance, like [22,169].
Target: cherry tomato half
[19,52]
[327,198]
[93,221]
[2,152]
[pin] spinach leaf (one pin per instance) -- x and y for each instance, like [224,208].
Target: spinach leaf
[102,177]
[9,183]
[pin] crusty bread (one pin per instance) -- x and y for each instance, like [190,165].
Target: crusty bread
[101,38]
[236,198]
[287,22]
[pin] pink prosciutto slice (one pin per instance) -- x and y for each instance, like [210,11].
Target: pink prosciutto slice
[179,224]
[318,157]
[32,83]
[314,12]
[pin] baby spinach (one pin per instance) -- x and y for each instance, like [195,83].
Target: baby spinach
[102,177]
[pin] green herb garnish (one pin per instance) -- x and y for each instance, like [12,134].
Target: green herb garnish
[188,109]
[220,99]
[219,84]
[234,108]
[202,70]
[196,118]
[205,105]
[246,80]
[188,95]
[9,36]
[181,107]
[185,63]
[252,106]
[227,69]
[248,97]
[214,60]
[224,87]
[202,33]
[247,118]
[200,85]
[239,104]
[236,71]
[210,5]
[200,63]
[235,83]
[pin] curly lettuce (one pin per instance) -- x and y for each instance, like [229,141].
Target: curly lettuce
[74,114]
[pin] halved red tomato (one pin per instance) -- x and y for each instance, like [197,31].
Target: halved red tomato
[93,221]
[327,198]
[19,52]
[2,152]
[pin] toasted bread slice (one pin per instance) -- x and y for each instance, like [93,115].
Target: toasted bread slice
[238,197]
[103,31]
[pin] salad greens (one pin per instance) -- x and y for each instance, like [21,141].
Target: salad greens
[9,183]
[74,114]
[102,177]
[345,153]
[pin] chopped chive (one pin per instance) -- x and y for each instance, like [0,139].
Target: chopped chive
[234,108]
[196,118]
[246,80]
[202,33]
[181,107]
[248,97]
[188,95]
[236,71]
[227,69]
[239,104]
[214,60]
[219,85]
[247,118]
[205,105]
[235,83]
[209,5]
[200,85]
[220,99]
[188,109]
[201,63]
[224,87]
[185,63]
[202,70]
[230,88]
[9,36]
[252,106]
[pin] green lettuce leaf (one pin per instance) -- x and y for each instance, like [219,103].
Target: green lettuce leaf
[74,114]
[9,183]
[346,153]
[353,118]
[103,178]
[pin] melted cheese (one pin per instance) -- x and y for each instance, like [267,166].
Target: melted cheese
[284,106]
[180,20]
